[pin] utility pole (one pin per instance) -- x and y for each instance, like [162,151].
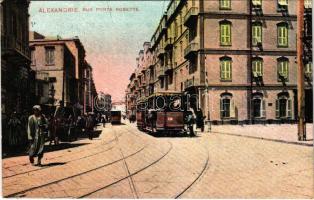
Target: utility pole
[300,74]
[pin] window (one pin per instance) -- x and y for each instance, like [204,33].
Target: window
[308,4]
[50,57]
[283,107]
[257,33]
[225,69]
[283,69]
[308,69]
[282,5]
[257,67]
[225,4]
[282,34]
[33,57]
[225,33]
[227,106]
[257,3]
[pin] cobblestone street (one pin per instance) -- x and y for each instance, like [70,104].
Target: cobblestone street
[126,163]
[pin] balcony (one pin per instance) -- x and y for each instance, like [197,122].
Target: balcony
[191,50]
[169,43]
[161,72]
[188,83]
[160,52]
[191,16]
[168,68]
[14,48]
[151,81]
[143,83]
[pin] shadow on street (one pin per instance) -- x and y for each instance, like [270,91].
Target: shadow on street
[22,151]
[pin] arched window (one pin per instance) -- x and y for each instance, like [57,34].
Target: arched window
[225,69]
[225,33]
[283,69]
[282,34]
[257,67]
[257,33]
[283,106]
[227,106]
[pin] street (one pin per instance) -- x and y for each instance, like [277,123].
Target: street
[126,163]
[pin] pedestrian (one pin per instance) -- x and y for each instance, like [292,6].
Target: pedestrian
[52,130]
[37,130]
[15,131]
[200,120]
[190,122]
[90,126]
[104,121]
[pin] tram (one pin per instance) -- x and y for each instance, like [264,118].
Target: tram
[115,117]
[162,113]
[140,114]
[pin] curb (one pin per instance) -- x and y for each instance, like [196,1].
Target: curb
[267,139]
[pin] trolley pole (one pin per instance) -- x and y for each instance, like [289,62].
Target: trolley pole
[300,74]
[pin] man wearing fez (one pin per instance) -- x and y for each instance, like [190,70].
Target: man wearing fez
[37,128]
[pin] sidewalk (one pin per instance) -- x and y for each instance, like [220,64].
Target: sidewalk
[286,133]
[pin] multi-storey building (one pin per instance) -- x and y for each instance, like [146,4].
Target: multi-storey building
[76,49]
[89,89]
[51,56]
[238,57]
[17,78]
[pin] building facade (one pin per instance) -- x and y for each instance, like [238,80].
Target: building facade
[238,57]
[17,77]
[54,63]
[89,88]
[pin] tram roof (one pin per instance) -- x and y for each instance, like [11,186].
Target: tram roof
[165,93]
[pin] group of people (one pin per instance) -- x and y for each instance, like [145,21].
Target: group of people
[30,132]
[14,130]
[86,123]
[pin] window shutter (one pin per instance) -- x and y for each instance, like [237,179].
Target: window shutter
[229,70]
[285,36]
[263,108]
[277,108]
[289,108]
[221,70]
[228,35]
[232,108]
[286,64]
[221,108]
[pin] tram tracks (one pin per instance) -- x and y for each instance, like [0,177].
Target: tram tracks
[72,160]
[63,155]
[129,176]
[204,168]
[72,176]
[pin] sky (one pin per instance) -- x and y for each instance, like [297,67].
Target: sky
[112,39]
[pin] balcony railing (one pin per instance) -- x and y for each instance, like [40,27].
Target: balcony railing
[168,68]
[161,72]
[190,15]
[160,52]
[169,43]
[9,43]
[151,80]
[189,83]
[191,49]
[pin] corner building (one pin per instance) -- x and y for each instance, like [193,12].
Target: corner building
[239,57]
